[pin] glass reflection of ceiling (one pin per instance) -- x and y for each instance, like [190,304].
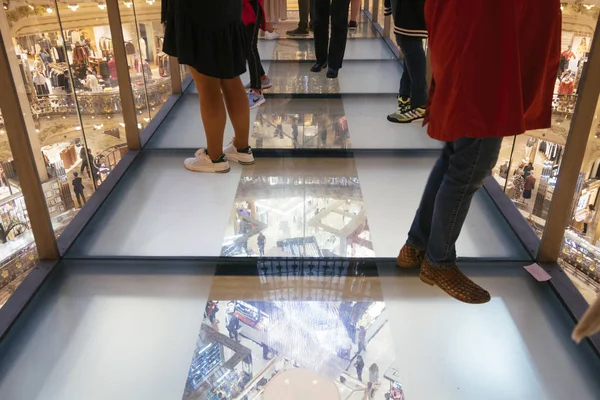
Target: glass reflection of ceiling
[303,315]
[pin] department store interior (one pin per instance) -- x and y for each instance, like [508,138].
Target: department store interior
[277,277]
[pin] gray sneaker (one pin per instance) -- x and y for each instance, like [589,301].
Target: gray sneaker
[265,83]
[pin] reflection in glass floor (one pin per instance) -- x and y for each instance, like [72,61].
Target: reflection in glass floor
[155,330]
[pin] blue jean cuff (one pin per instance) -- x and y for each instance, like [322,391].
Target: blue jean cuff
[412,244]
[442,265]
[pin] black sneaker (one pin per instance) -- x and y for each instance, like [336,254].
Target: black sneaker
[298,32]
[352,25]
[332,73]
[318,67]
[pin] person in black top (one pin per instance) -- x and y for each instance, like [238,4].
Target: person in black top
[330,52]
[233,327]
[84,161]
[78,189]
[210,38]
[261,240]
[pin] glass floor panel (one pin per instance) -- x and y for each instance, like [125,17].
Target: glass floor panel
[163,330]
[159,209]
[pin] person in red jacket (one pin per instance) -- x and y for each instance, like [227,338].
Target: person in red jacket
[494,66]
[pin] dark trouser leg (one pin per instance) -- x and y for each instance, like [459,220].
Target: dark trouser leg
[339,32]
[254,64]
[405,82]
[585,226]
[456,177]
[80,198]
[304,11]
[416,66]
[321,30]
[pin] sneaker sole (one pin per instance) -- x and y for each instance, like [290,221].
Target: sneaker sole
[240,161]
[269,86]
[260,103]
[224,171]
[403,122]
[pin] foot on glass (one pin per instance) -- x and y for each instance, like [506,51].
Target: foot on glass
[202,163]
[352,25]
[318,67]
[255,98]
[243,156]
[297,32]
[456,284]
[332,73]
[412,115]
[272,35]
[410,257]
[265,83]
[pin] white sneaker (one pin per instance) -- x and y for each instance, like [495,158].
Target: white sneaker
[243,157]
[272,35]
[202,163]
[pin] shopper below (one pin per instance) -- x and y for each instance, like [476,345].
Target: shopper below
[410,30]
[330,52]
[494,102]
[210,38]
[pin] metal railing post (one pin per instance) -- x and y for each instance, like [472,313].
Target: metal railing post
[18,123]
[125,90]
[375,10]
[584,119]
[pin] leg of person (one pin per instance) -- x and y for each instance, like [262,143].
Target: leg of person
[212,111]
[354,10]
[321,34]
[413,251]
[255,97]
[585,226]
[83,198]
[339,35]
[77,195]
[304,11]
[470,162]
[416,67]
[403,95]
[239,113]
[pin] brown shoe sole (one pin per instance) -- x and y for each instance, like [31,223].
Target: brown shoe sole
[401,264]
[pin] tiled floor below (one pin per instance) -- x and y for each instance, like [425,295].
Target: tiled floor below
[179,330]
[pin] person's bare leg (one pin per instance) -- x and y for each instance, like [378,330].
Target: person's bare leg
[354,10]
[238,108]
[212,111]
[270,26]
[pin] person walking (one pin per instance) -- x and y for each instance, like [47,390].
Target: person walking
[354,10]
[362,339]
[210,38]
[589,217]
[261,241]
[359,365]
[253,16]
[83,154]
[410,31]
[305,11]
[233,327]
[476,99]
[330,52]
[78,189]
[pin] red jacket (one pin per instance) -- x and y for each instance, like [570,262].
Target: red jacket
[494,66]
[249,14]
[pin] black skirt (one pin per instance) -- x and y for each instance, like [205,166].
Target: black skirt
[207,35]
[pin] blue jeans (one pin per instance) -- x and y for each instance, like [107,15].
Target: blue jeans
[456,176]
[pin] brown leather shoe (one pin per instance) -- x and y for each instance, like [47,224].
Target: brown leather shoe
[410,257]
[452,281]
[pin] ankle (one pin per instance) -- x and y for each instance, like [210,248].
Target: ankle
[239,144]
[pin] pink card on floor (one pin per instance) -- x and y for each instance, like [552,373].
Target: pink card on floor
[538,273]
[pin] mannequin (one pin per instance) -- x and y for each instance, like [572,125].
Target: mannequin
[143,49]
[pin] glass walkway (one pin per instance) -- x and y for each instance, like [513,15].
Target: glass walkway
[164,295]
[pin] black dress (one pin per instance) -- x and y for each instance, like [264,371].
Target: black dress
[207,35]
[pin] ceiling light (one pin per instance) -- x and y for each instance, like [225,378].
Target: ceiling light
[31,7]
[127,4]
[102,6]
[73,7]
[150,1]
[49,10]
[588,6]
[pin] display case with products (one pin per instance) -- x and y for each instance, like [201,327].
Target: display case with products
[581,254]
